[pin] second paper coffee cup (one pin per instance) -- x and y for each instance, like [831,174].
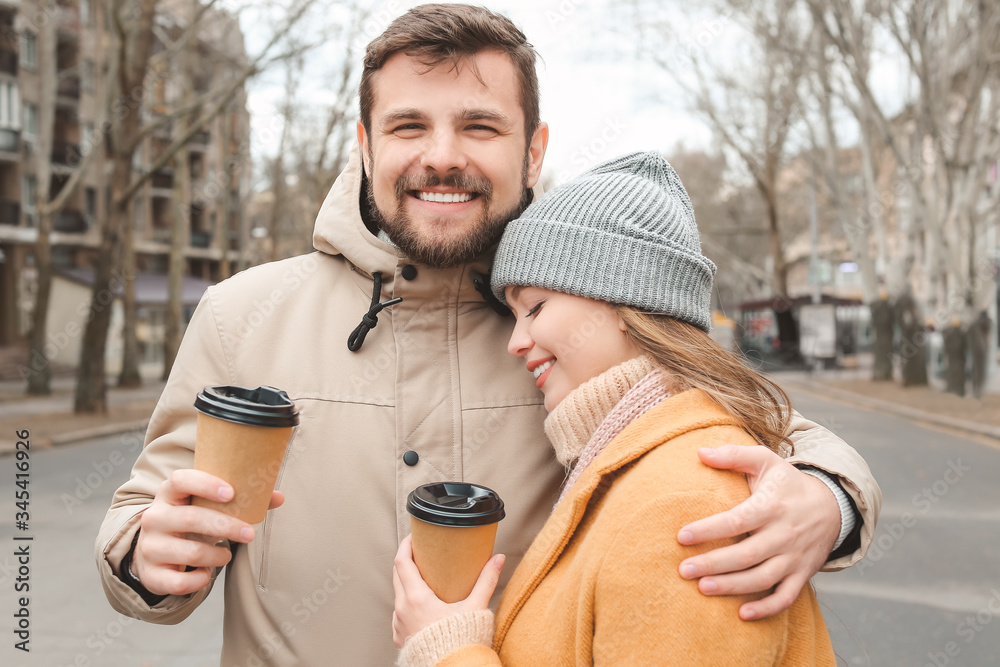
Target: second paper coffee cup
[241,438]
[454,525]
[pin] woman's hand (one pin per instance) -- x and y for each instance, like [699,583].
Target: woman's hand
[417,606]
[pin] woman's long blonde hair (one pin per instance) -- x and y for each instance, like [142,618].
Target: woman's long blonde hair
[696,361]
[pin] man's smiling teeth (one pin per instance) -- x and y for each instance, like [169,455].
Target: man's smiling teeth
[541,369]
[445,198]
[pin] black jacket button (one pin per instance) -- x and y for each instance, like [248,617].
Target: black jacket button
[409,272]
[410,458]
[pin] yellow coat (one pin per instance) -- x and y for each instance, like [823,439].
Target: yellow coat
[600,583]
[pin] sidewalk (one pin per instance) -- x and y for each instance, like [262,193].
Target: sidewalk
[927,404]
[50,420]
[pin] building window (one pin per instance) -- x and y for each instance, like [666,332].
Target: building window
[29,51]
[29,199]
[10,102]
[30,121]
[90,195]
[87,75]
[86,13]
[88,138]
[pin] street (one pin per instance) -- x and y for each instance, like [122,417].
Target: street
[926,595]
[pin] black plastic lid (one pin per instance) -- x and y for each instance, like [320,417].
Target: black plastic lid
[263,406]
[455,504]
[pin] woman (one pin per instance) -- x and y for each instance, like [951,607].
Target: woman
[611,296]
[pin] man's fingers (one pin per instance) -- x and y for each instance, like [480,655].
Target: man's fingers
[750,460]
[733,558]
[781,599]
[746,517]
[182,519]
[759,579]
[186,482]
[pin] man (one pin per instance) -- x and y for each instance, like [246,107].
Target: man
[450,145]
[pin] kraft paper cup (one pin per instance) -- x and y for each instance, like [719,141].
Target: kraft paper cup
[241,437]
[454,526]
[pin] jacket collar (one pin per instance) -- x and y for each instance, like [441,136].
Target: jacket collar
[684,412]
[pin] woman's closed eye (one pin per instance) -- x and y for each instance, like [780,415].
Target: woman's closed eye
[535,309]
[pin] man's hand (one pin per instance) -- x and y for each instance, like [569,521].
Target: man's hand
[417,606]
[175,534]
[792,519]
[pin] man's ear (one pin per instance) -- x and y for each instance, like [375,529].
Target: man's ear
[363,145]
[536,153]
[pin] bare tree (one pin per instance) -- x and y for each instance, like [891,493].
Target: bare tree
[133,39]
[942,145]
[752,111]
[38,378]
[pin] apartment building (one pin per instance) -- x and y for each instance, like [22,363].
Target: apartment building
[218,156]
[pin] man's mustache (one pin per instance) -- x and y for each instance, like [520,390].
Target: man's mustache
[409,182]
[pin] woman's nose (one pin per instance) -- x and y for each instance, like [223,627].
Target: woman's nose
[520,342]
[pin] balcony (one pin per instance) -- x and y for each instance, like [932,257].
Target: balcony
[68,20]
[8,62]
[10,142]
[72,222]
[199,142]
[69,88]
[201,239]
[65,154]
[10,212]
[163,179]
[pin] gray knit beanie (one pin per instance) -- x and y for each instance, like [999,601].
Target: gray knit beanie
[623,232]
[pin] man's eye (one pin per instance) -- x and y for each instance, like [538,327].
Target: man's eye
[481,128]
[408,126]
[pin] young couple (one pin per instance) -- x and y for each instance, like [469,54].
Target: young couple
[394,394]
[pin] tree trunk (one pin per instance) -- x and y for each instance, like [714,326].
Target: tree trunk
[913,339]
[179,234]
[129,376]
[91,384]
[881,311]
[131,51]
[180,231]
[954,359]
[39,378]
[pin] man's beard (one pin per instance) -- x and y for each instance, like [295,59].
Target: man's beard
[485,232]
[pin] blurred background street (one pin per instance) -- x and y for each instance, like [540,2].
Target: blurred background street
[930,584]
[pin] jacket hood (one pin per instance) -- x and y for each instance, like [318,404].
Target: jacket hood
[340,230]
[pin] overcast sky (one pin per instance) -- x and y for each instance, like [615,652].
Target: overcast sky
[599,97]
[598,100]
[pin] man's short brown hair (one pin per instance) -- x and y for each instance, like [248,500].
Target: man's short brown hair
[437,34]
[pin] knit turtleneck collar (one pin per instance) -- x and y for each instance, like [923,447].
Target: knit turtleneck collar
[573,422]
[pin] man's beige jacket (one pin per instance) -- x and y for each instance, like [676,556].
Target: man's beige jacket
[433,377]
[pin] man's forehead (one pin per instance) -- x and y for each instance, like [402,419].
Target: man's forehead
[483,76]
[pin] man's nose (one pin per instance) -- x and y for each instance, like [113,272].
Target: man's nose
[443,153]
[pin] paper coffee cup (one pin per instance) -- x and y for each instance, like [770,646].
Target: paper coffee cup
[241,437]
[454,525]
